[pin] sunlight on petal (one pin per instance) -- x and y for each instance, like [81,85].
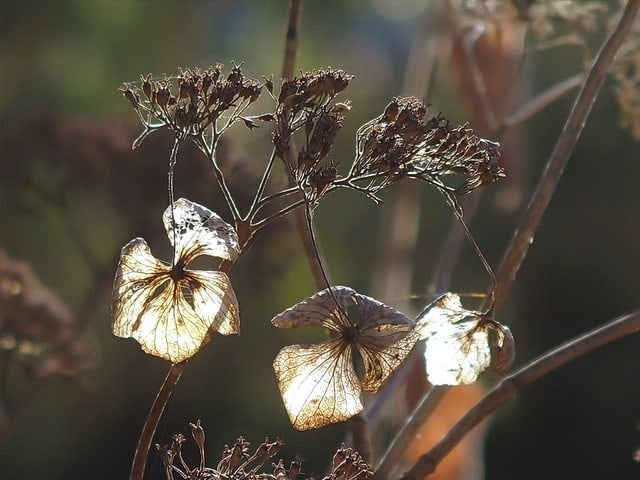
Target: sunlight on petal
[215,301]
[318,384]
[386,337]
[138,276]
[199,231]
[320,309]
[456,342]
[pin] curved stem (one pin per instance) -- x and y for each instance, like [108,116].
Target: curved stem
[522,239]
[514,383]
[150,425]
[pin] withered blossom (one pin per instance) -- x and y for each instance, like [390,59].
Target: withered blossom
[239,462]
[402,142]
[457,344]
[307,103]
[192,103]
[168,308]
[318,383]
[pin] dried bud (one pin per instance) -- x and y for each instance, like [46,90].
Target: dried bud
[146,85]
[197,432]
[131,95]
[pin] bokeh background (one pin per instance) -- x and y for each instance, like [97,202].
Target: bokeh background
[72,193]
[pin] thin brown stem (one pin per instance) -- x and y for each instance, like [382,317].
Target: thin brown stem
[519,245]
[291,43]
[149,429]
[510,386]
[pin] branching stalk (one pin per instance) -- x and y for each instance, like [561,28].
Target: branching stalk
[523,237]
[514,383]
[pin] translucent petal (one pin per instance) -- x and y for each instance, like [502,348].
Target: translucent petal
[175,327]
[318,384]
[320,309]
[214,301]
[383,353]
[199,231]
[385,338]
[170,318]
[138,276]
[456,351]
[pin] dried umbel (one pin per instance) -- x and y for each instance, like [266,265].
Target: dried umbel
[307,103]
[403,142]
[238,462]
[192,103]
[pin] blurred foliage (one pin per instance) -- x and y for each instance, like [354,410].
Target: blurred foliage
[72,193]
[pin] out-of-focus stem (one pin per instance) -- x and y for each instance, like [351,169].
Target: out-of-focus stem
[522,239]
[514,383]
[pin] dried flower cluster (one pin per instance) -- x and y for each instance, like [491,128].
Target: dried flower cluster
[318,382]
[403,143]
[192,103]
[171,309]
[626,72]
[307,102]
[238,463]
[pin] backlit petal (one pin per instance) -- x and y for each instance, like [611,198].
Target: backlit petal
[138,276]
[318,384]
[456,342]
[215,301]
[321,309]
[199,231]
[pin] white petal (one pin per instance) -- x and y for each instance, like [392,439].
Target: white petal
[457,343]
[322,308]
[138,276]
[215,301]
[318,384]
[199,231]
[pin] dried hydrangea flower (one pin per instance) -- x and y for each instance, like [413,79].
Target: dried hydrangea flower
[170,309]
[403,142]
[318,383]
[457,345]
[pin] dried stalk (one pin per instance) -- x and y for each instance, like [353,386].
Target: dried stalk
[514,383]
[522,239]
[150,425]
[517,249]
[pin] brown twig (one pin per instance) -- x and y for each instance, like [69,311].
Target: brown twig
[522,239]
[150,425]
[514,383]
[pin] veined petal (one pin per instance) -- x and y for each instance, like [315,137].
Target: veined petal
[382,352]
[318,310]
[214,301]
[138,276]
[456,351]
[386,338]
[199,231]
[318,384]
[176,324]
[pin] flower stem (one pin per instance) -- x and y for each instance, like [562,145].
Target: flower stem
[514,383]
[521,241]
[149,429]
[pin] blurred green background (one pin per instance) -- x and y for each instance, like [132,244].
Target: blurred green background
[72,193]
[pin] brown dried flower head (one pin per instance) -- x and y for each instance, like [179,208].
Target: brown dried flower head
[403,142]
[191,103]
